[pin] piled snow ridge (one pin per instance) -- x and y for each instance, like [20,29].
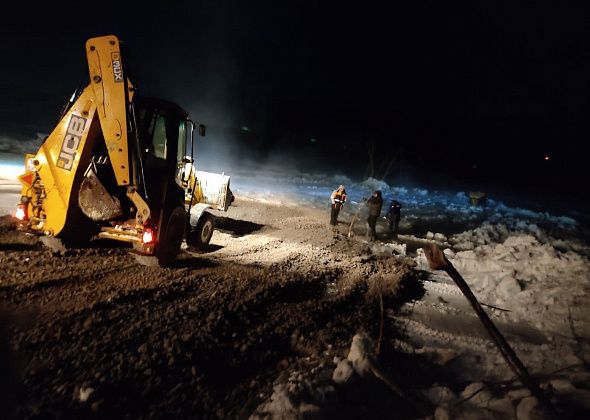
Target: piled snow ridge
[540,216]
[540,279]
[375,185]
[497,232]
[486,234]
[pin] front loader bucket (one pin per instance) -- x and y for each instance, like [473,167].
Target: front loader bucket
[95,201]
[214,189]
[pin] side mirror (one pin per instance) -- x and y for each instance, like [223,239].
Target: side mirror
[202,130]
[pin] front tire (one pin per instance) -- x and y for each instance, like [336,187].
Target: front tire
[200,236]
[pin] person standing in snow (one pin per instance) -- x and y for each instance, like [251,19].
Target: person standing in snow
[394,215]
[338,199]
[375,202]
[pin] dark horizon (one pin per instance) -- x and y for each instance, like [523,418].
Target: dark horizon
[471,93]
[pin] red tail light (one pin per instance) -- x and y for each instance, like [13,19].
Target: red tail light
[21,212]
[148,236]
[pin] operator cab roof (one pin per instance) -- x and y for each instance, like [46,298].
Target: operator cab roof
[163,104]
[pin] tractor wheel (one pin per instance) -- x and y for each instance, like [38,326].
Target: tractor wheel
[170,238]
[200,235]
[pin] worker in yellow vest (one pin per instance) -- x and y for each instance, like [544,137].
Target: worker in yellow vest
[338,198]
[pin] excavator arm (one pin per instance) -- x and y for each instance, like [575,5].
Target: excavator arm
[112,94]
[51,173]
[55,171]
[109,90]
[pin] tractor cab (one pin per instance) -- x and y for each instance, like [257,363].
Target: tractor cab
[167,142]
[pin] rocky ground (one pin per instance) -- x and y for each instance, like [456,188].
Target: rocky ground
[94,334]
[282,317]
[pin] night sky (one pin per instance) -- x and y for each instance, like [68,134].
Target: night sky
[472,93]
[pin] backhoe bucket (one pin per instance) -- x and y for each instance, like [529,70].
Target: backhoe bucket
[95,201]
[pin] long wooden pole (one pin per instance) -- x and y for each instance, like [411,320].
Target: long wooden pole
[354,218]
[438,261]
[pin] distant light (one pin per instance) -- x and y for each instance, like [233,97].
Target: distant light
[547,157]
[474,166]
[245,129]
[313,140]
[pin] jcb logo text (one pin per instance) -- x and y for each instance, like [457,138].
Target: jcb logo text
[71,142]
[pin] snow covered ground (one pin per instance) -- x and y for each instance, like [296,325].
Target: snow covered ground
[424,210]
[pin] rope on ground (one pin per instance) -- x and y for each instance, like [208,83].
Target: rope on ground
[378,351]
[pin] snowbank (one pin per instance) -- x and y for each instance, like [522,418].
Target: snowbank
[542,279]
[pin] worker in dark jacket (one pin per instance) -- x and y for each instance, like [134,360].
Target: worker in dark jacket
[394,216]
[374,203]
[338,198]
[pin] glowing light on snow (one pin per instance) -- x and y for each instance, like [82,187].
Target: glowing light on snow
[10,171]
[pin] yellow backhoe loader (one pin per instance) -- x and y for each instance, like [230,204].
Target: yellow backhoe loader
[117,166]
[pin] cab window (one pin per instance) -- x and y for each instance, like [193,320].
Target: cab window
[181,141]
[162,133]
[159,140]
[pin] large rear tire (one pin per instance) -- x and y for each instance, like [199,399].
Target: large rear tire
[170,238]
[200,236]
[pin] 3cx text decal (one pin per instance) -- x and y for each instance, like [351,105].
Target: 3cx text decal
[117,67]
[71,142]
